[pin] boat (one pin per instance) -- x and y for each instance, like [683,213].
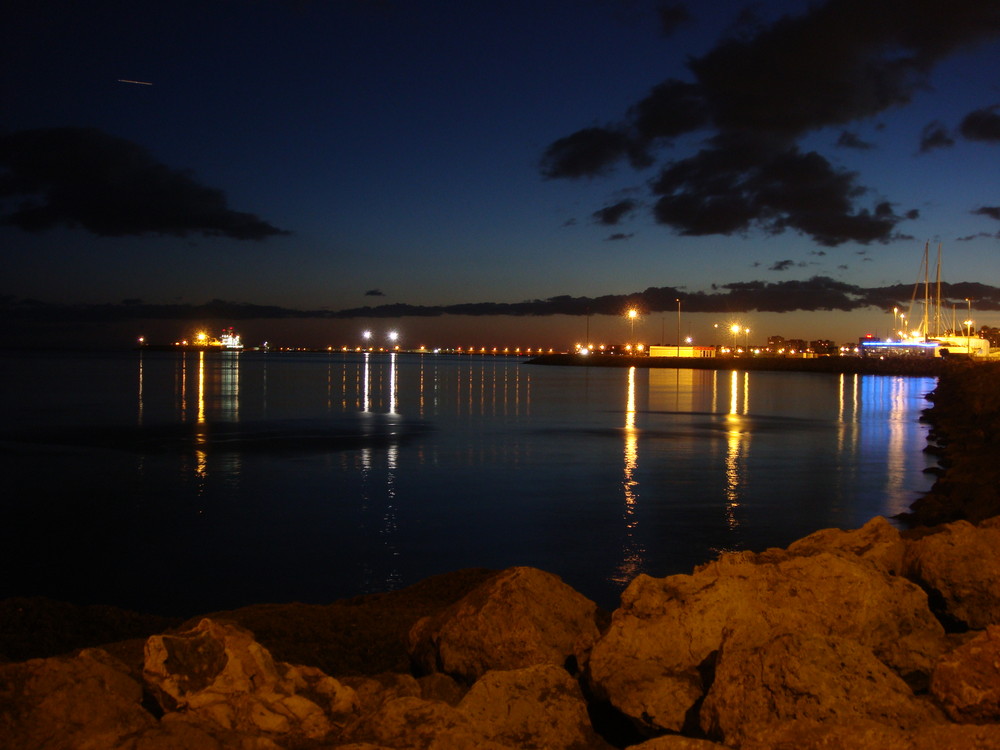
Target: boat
[228,341]
[919,340]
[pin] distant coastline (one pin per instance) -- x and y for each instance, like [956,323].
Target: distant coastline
[920,367]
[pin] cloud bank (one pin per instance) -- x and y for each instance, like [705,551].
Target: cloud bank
[818,293]
[84,177]
[754,97]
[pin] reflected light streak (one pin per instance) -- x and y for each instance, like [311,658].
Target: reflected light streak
[392,383]
[139,415]
[632,552]
[365,394]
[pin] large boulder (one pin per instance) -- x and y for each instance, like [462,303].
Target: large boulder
[650,663]
[810,734]
[798,675]
[539,706]
[878,543]
[966,683]
[959,564]
[520,617]
[411,723]
[219,676]
[87,702]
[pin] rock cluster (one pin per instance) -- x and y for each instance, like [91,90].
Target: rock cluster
[844,639]
[964,435]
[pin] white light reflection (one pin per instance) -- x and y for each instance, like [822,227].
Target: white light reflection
[633,554]
[737,445]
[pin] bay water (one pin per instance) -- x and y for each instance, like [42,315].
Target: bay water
[187,482]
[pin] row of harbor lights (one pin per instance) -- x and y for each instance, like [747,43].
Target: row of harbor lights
[392,335]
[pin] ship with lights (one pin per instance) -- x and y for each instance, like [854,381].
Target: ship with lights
[227,341]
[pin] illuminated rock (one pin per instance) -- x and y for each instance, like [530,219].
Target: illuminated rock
[799,675]
[966,683]
[219,676]
[539,706]
[808,734]
[520,617]
[877,543]
[651,661]
[86,702]
[960,565]
[416,723]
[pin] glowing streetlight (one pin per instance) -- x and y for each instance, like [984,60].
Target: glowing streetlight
[632,315]
[735,330]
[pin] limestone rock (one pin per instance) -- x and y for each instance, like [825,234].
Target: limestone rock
[809,734]
[520,617]
[539,706]
[177,732]
[676,742]
[218,674]
[966,683]
[960,564]
[86,702]
[416,724]
[648,664]
[877,542]
[804,676]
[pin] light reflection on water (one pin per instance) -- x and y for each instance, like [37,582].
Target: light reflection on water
[260,477]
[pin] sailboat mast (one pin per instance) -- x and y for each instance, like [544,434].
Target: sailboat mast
[937,304]
[927,288]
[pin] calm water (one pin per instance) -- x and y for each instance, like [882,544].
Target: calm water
[182,483]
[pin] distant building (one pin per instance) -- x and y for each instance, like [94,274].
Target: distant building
[682,351]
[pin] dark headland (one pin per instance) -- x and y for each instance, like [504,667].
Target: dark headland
[875,637]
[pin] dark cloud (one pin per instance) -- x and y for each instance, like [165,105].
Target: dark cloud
[374,293]
[982,125]
[731,188]
[935,135]
[992,211]
[611,215]
[110,187]
[817,293]
[852,140]
[619,236]
[672,16]
[587,153]
[836,63]
[782,265]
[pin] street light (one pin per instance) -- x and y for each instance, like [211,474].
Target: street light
[632,315]
[735,329]
[678,326]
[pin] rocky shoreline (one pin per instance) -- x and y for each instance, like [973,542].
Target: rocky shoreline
[862,638]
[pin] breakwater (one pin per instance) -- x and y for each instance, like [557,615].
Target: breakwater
[918,366]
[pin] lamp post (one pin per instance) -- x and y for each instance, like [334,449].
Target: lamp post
[678,327]
[895,319]
[632,315]
[746,340]
[735,329]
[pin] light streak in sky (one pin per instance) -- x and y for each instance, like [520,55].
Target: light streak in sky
[129,80]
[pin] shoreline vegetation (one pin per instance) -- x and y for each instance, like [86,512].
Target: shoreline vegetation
[847,638]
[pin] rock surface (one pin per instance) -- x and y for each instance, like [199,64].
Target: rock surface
[959,565]
[966,682]
[650,663]
[521,617]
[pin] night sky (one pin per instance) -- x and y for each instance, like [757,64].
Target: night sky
[493,173]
